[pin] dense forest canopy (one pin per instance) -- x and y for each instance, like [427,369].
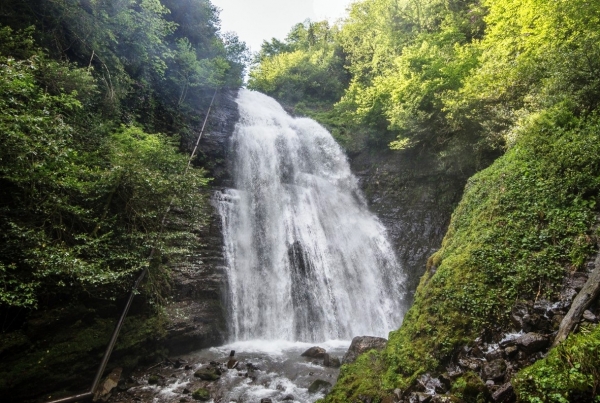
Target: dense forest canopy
[98,96]
[456,77]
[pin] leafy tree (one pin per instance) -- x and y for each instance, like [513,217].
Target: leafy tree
[70,216]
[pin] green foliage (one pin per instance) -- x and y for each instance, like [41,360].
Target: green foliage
[144,54]
[535,54]
[96,99]
[570,371]
[515,73]
[76,219]
[362,378]
[469,388]
[306,67]
[63,347]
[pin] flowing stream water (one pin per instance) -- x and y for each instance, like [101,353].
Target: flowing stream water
[308,264]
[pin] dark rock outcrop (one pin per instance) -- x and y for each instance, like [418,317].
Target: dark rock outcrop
[494,370]
[362,344]
[532,342]
[196,311]
[504,394]
[413,196]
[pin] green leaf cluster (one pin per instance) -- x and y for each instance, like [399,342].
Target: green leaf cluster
[84,183]
[306,67]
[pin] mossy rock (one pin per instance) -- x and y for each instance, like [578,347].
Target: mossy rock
[153,380]
[201,394]
[470,388]
[206,375]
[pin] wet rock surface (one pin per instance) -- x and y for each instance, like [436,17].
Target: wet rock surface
[330,361]
[196,315]
[279,375]
[532,342]
[505,393]
[414,197]
[494,370]
[319,385]
[314,352]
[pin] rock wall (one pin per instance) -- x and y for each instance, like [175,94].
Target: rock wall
[197,316]
[414,198]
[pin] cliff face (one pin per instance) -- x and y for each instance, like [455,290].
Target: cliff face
[414,198]
[196,314]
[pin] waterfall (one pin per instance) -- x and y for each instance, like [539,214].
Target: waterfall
[306,259]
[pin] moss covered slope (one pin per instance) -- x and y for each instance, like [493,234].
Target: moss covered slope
[522,224]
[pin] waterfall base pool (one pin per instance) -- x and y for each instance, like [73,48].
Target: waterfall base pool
[266,370]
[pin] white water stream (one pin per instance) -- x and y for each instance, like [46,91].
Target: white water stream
[306,259]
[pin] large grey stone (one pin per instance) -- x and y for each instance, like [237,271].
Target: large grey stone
[319,385]
[532,342]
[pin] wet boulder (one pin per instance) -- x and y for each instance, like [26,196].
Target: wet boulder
[314,352]
[469,363]
[429,383]
[493,354]
[153,379]
[494,370]
[519,315]
[532,342]
[201,394]
[106,387]
[329,361]
[589,316]
[420,397]
[362,344]
[511,351]
[505,393]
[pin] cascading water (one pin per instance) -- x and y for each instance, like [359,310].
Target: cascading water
[307,263]
[306,259]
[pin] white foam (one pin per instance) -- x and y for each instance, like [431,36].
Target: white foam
[278,347]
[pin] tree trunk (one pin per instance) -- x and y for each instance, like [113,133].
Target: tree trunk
[582,301]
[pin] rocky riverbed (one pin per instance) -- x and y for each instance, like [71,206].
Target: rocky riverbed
[260,371]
